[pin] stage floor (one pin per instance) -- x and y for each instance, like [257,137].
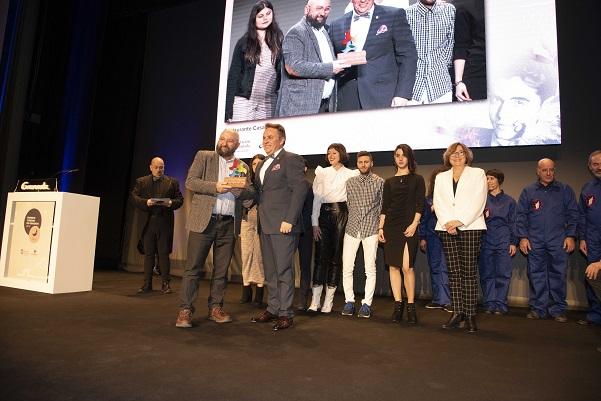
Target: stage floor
[112,344]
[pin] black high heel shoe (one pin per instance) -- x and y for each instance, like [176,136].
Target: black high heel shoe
[470,324]
[455,321]
[397,313]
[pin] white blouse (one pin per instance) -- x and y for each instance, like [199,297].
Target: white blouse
[329,186]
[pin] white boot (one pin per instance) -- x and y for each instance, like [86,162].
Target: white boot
[328,302]
[315,298]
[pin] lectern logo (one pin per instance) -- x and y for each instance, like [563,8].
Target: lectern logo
[26,186]
[32,224]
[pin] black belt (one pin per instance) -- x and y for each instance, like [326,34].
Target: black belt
[221,217]
[333,207]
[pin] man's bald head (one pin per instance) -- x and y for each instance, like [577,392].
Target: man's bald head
[545,170]
[157,167]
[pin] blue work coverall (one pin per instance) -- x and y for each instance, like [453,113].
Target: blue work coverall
[439,275]
[495,260]
[546,216]
[589,229]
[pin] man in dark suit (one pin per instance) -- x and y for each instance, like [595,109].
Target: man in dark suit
[213,222]
[388,77]
[156,196]
[280,194]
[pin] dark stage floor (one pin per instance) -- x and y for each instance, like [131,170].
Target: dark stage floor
[111,344]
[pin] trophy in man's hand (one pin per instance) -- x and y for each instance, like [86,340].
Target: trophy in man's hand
[237,175]
[349,54]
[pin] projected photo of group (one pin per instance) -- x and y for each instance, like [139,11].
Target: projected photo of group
[375,73]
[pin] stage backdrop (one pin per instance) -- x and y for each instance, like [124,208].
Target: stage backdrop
[179,92]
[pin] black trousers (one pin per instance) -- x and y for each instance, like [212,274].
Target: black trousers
[156,242]
[305,253]
[328,254]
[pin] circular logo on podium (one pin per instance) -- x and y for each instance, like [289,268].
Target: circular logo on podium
[32,224]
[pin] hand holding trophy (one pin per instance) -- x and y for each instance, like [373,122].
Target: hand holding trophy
[350,55]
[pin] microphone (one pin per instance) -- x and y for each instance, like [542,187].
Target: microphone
[65,171]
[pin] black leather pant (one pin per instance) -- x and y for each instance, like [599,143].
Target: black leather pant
[328,255]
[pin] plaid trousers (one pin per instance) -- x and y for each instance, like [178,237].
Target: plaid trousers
[461,252]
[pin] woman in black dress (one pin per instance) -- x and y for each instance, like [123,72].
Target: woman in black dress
[402,207]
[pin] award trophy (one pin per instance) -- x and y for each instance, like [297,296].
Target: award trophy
[349,54]
[237,175]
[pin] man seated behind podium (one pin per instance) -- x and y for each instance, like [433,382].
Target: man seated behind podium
[388,77]
[156,196]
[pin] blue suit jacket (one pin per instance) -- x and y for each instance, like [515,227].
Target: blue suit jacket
[391,57]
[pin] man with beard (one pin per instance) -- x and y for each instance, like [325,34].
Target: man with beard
[590,235]
[364,200]
[214,221]
[309,66]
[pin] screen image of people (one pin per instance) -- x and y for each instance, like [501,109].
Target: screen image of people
[294,58]
[364,68]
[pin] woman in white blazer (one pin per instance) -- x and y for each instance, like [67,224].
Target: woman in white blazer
[459,200]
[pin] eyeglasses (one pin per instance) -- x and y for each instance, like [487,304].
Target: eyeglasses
[458,154]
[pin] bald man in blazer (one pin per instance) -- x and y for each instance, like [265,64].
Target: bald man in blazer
[280,193]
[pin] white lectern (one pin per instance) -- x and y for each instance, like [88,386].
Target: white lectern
[49,242]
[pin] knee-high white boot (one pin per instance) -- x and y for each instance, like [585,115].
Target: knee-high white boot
[315,298]
[328,302]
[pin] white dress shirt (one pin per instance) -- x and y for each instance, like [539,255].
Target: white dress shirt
[226,202]
[267,163]
[360,28]
[326,57]
[329,186]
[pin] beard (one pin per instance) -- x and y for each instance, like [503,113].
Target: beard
[224,151]
[315,23]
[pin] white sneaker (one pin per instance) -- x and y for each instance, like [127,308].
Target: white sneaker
[315,304]
[328,302]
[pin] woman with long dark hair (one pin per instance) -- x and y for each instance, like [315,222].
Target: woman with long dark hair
[254,75]
[250,248]
[402,208]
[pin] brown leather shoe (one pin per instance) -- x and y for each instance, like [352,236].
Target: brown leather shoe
[219,316]
[184,318]
[264,317]
[283,323]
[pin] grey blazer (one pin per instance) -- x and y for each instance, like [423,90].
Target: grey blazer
[282,193]
[201,180]
[303,73]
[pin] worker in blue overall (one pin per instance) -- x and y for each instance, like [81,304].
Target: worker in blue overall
[589,232]
[429,242]
[499,244]
[547,220]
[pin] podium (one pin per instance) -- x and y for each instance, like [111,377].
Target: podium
[49,242]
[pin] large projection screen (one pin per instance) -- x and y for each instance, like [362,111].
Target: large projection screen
[522,82]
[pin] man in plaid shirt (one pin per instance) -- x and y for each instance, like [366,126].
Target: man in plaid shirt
[432,23]
[364,201]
